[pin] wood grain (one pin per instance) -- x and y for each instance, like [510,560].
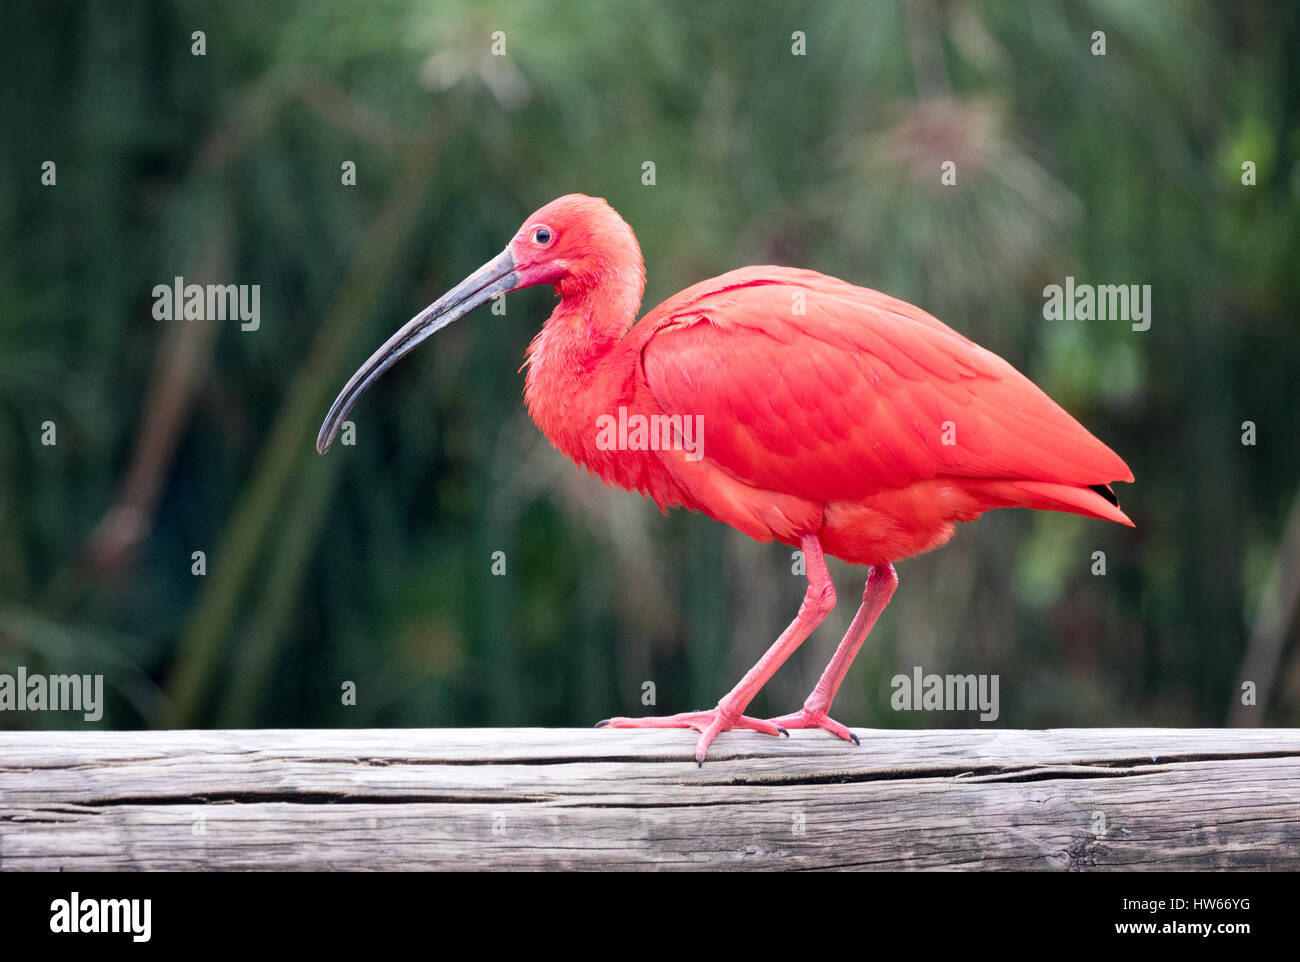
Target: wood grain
[563,798]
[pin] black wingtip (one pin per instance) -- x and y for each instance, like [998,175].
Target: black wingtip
[603,722]
[1105,491]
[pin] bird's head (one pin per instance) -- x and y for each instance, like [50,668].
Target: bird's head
[575,243]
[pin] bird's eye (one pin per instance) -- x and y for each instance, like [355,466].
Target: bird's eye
[542,236]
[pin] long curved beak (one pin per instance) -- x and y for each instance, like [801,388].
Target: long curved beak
[495,277]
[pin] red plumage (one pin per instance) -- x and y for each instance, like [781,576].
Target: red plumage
[832,417]
[859,405]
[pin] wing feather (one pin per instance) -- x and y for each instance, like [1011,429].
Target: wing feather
[811,386]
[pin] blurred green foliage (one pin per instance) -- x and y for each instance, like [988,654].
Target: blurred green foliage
[373,565]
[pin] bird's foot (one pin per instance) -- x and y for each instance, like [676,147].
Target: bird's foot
[708,723]
[815,718]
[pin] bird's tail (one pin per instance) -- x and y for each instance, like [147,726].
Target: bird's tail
[1096,501]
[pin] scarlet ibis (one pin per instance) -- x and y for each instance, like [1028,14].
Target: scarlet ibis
[788,404]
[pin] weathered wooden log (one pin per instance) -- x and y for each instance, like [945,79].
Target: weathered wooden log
[564,798]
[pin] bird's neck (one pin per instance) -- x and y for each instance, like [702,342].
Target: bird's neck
[581,367]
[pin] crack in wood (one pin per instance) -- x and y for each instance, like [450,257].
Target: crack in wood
[428,799]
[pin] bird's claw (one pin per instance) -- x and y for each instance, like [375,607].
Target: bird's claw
[708,723]
[804,718]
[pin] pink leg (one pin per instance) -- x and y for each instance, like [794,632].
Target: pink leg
[880,588]
[817,604]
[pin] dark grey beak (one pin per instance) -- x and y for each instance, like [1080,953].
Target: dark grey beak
[495,277]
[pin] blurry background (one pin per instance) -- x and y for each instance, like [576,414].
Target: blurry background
[373,564]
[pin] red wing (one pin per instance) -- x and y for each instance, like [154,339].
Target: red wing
[811,386]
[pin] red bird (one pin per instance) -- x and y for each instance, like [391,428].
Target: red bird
[790,405]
